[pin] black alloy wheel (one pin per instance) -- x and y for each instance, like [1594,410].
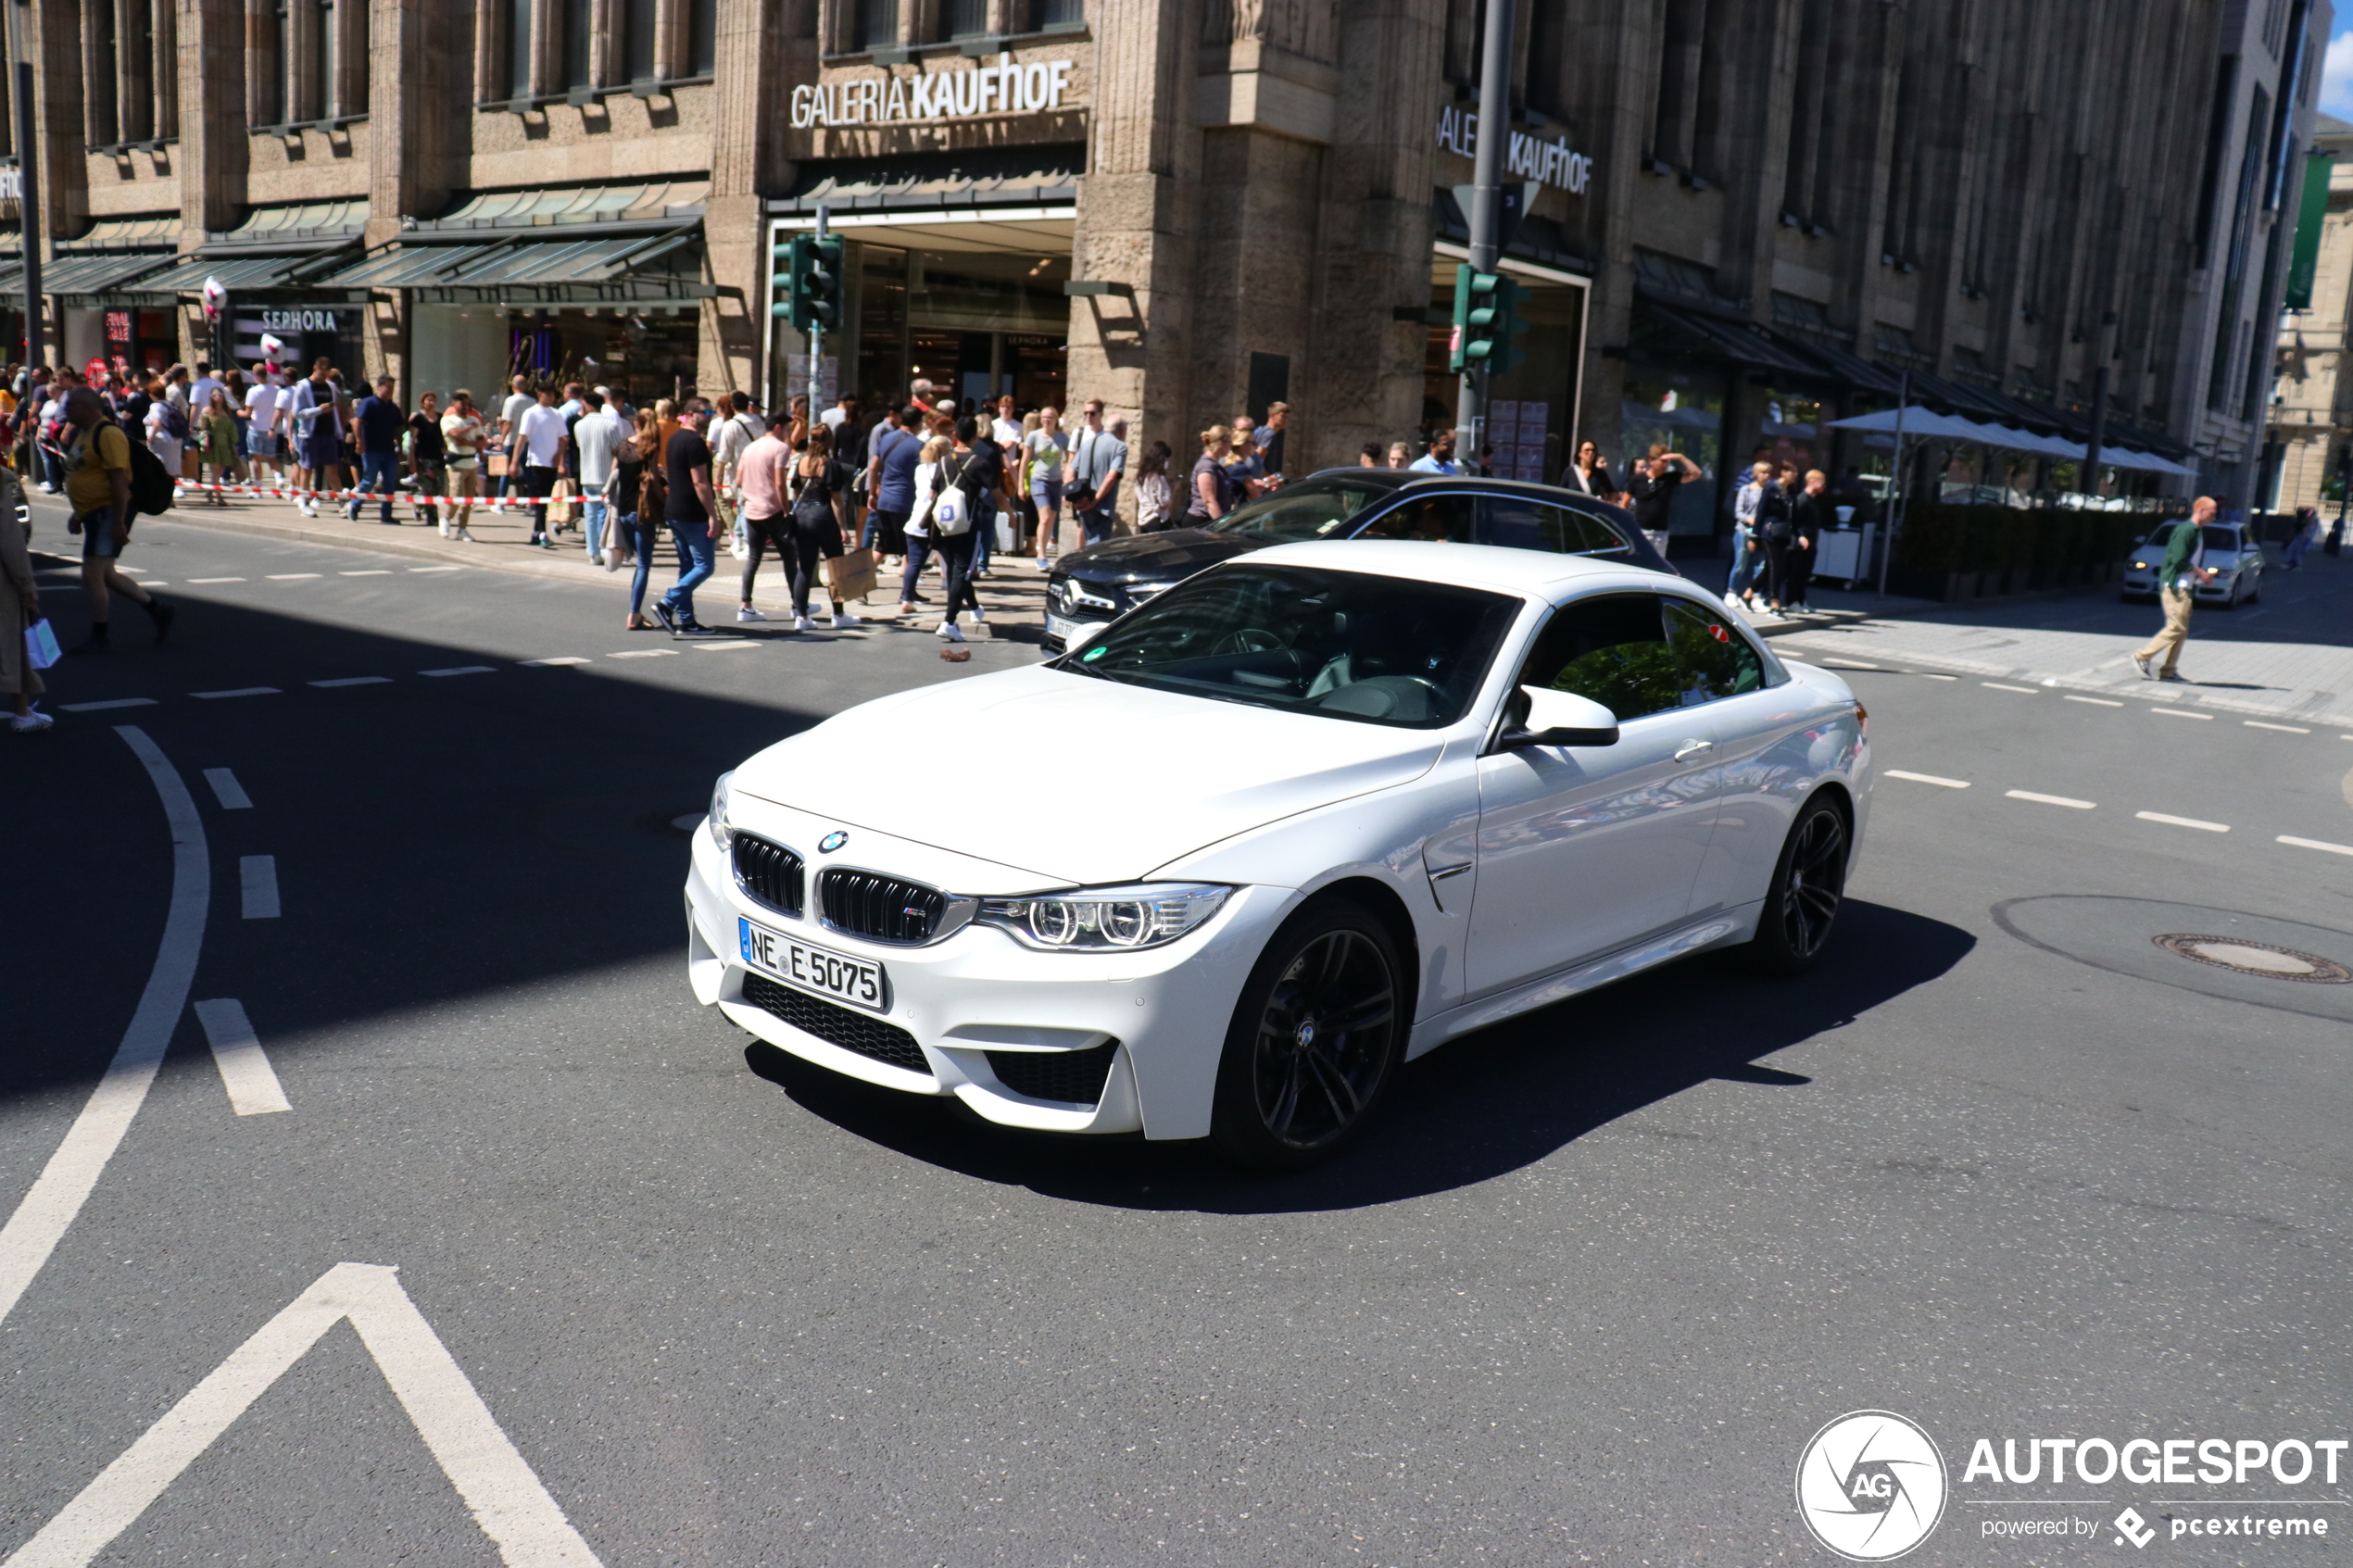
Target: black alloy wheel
[1315,1039]
[1808,885]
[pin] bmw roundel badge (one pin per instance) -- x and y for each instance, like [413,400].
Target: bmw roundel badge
[832,842]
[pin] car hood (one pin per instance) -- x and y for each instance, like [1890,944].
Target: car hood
[1155,558]
[1082,781]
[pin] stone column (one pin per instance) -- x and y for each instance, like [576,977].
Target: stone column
[417,112]
[1135,209]
[758,45]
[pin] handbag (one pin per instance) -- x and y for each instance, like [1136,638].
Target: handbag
[612,546]
[850,575]
[41,645]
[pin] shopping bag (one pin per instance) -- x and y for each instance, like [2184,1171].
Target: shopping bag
[192,464]
[614,544]
[41,645]
[850,575]
[561,502]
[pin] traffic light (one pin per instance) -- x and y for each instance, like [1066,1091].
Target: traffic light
[811,281]
[1487,322]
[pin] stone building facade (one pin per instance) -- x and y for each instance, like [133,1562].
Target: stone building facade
[1746,219]
[2311,413]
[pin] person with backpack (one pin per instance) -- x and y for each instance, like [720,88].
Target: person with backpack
[957,489]
[167,429]
[819,486]
[98,466]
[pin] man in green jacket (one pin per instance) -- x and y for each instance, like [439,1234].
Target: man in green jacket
[2183,570]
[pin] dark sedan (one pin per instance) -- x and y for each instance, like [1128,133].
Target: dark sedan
[1106,581]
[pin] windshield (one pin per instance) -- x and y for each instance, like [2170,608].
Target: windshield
[1313,510]
[2219,537]
[1344,645]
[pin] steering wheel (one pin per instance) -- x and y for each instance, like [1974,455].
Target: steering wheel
[1253,639]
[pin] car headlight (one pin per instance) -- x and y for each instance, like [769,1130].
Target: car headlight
[717,820]
[2140,566]
[1107,919]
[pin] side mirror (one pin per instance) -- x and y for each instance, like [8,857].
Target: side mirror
[1555,718]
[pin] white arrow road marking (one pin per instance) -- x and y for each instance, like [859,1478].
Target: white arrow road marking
[498,1486]
[258,876]
[41,1221]
[244,1068]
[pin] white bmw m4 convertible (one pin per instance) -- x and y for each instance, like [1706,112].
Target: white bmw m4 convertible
[1351,801]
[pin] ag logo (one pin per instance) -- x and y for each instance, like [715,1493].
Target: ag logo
[1870,1485]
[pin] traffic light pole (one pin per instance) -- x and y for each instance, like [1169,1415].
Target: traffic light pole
[1486,216]
[817,334]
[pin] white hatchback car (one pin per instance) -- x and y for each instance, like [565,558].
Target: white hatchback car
[1319,810]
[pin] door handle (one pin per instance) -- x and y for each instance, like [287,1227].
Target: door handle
[1691,748]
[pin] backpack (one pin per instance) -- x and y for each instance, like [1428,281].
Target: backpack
[175,420]
[152,485]
[952,507]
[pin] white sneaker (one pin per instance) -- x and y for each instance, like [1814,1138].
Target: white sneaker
[445,531]
[462,534]
[980,618]
[845,620]
[25,724]
[947,631]
[1043,563]
[748,613]
[802,623]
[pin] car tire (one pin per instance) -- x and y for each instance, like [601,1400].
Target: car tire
[1316,1037]
[1808,885]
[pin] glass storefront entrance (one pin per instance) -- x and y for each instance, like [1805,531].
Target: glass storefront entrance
[976,324]
[1531,416]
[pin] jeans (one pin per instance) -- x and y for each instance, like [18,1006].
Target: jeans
[984,531]
[537,479]
[375,474]
[698,558]
[592,522]
[2292,556]
[1094,525]
[1744,565]
[639,537]
[918,553]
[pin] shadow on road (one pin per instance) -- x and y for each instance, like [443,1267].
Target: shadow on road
[1478,1107]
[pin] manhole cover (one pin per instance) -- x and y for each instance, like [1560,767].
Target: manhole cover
[2255,958]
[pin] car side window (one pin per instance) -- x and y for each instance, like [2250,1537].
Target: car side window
[1522,522]
[1713,660]
[1613,648]
[1442,516]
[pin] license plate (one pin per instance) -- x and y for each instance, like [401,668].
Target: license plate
[1059,627]
[813,969]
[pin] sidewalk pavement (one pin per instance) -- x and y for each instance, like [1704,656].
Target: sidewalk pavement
[1013,593]
[2287,659]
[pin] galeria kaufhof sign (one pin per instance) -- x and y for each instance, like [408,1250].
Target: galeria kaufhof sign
[1007,87]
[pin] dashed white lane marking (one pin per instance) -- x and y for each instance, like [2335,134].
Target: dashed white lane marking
[370,571]
[1931,676]
[227,790]
[500,1489]
[1996,685]
[2318,844]
[730,645]
[1927,779]
[461,670]
[2094,701]
[258,879]
[1849,663]
[63,1185]
[437,569]
[2182,821]
[2051,799]
[245,1073]
[2179,713]
[239,691]
[291,576]
[2283,729]
[553,663]
[216,579]
[644,653]
[356,680]
[110,702]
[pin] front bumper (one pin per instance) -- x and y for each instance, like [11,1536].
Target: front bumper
[964,1004]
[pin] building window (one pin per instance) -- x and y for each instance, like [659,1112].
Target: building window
[1056,16]
[580,33]
[702,37]
[1548,60]
[965,18]
[519,48]
[877,24]
[638,24]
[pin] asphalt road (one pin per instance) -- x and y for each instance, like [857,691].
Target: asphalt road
[2001,1165]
